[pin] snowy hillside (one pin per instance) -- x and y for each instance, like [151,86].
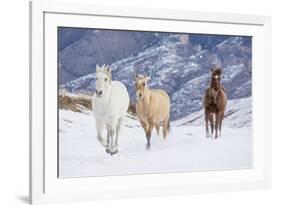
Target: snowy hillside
[82,49]
[183,70]
[185,149]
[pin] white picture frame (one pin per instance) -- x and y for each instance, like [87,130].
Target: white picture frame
[46,187]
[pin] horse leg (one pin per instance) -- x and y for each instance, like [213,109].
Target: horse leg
[113,133]
[211,119]
[107,148]
[206,124]
[148,135]
[221,118]
[99,128]
[217,124]
[118,128]
[144,126]
[157,126]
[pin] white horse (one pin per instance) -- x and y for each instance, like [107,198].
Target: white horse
[110,104]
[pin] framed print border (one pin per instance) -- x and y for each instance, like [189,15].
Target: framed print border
[46,187]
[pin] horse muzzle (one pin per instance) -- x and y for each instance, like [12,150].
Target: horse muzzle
[98,93]
[138,96]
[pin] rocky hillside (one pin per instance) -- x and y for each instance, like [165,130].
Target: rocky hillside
[177,63]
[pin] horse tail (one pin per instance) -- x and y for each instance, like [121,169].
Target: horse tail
[166,128]
[169,129]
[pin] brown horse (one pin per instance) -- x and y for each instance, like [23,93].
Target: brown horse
[214,102]
[152,108]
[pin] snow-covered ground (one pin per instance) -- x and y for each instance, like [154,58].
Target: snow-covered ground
[185,149]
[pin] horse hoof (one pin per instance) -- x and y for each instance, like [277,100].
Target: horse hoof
[107,150]
[148,147]
[114,152]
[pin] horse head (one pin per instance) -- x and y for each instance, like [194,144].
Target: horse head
[216,76]
[103,79]
[141,85]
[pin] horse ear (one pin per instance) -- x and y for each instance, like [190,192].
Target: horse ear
[139,76]
[97,68]
[212,70]
[108,69]
[103,66]
[147,78]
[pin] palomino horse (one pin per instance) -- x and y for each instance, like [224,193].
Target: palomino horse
[214,102]
[110,105]
[152,108]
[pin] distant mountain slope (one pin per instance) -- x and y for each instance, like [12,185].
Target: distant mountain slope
[183,70]
[68,36]
[90,47]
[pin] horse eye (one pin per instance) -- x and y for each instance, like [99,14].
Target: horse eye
[143,84]
[105,79]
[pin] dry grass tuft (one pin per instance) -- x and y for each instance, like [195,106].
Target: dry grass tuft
[75,103]
[82,102]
